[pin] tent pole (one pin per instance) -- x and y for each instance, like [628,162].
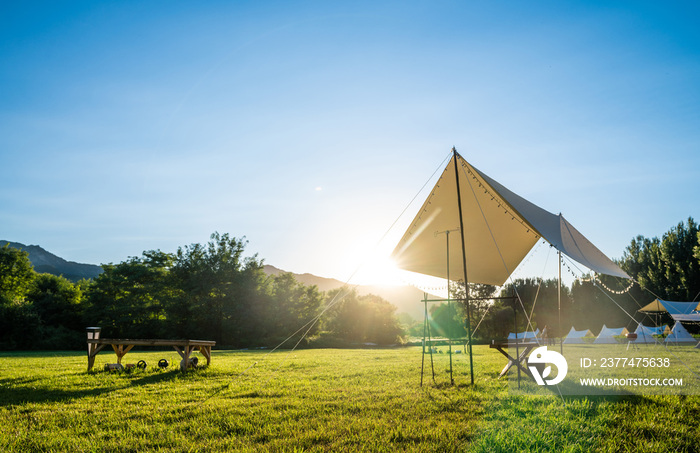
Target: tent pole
[561,342]
[464,267]
[430,340]
[449,301]
[515,326]
[449,306]
[425,322]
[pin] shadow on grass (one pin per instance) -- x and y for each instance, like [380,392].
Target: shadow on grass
[20,391]
[11,395]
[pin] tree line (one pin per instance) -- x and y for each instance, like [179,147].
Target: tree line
[203,291]
[212,291]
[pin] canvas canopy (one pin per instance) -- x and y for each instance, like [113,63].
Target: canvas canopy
[646,334]
[679,311]
[607,335]
[576,336]
[673,308]
[679,335]
[692,317]
[523,335]
[500,228]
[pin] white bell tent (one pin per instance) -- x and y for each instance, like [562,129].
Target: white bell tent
[646,334]
[523,335]
[576,336]
[679,335]
[495,230]
[607,335]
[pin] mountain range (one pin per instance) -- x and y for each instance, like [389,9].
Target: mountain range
[405,298]
[46,262]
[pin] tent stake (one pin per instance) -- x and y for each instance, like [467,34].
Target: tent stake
[464,267]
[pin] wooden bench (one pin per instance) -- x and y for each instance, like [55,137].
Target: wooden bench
[121,347]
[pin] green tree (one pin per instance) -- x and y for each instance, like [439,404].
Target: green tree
[221,292]
[362,319]
[668,267]
[58,304]
[57,301]
[594,306]
[479,304]
[129,299]
[291,305]
[447,320]
[19,322]
[537,300]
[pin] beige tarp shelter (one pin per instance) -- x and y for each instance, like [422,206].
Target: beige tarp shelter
[500,229]
[679,311]
[492,228]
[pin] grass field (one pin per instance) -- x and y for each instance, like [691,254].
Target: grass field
[316,400]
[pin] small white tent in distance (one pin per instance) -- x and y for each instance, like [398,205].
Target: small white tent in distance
[607,335]
[646,334]
[576,336]
[679,335]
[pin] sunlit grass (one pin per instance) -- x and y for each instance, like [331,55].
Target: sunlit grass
[316,400]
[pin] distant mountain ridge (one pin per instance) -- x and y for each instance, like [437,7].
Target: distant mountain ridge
[407,299]
[46,262]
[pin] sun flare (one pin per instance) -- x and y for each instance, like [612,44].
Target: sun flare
[380,271]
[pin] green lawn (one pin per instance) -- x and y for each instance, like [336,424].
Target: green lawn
[316,400]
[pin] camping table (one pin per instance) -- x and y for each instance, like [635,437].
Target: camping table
[121,347]
[525,349]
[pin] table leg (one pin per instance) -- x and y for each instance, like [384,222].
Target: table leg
[93,349]
[121,351]
[512,361]
[206,352]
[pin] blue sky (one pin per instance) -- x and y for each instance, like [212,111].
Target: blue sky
[308,127]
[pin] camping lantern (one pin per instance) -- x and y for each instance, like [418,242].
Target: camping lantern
[93,333]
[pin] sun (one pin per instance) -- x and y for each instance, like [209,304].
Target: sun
[380,271]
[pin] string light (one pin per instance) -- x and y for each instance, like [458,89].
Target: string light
[426,289]
[618,292]
[568,268]
[596,281]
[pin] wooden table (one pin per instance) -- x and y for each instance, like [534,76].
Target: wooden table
[524,349]
[121,347]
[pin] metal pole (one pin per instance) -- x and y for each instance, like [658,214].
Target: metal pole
[430,341]
[517,349]
[425,323]
[561,342]
[464,267]
[449,305]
